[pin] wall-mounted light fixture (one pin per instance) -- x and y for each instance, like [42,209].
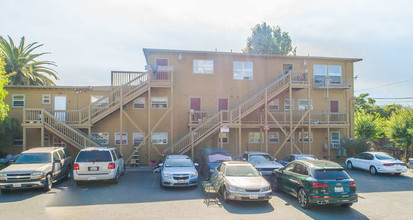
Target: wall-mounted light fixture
[305,62]
[180,57]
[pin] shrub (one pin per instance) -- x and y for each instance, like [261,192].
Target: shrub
[355,146]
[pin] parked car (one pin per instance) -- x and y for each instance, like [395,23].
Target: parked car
[178,171]
[263,162]
[211,158]
[98,163]
[316,182]
[376,162]
[293,157]
[239,180]
[37,168]
[410,163]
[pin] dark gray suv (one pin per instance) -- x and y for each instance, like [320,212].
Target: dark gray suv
[37,168]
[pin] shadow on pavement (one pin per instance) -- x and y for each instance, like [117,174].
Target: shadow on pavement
[238,207]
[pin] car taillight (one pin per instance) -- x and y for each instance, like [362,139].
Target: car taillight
[76,166]
[317,185]
[403,164]
[353,195]
[353,184]
[388,164]
[111,166]
[322,197]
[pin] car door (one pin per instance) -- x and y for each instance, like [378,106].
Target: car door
[216,178]
[115,159]
[300,175]
[284,179]
[356,161]
[63,161]
[57,165]
[361,161]
[368,161]
[120,160]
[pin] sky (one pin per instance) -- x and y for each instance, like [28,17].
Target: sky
[89,38]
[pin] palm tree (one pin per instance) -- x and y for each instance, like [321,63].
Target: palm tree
[22,68]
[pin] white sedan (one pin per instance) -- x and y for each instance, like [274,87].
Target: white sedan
[376,162]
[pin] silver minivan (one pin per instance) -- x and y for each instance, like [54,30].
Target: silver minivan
[100,163]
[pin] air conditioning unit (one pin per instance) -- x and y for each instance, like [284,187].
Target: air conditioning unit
[335,146]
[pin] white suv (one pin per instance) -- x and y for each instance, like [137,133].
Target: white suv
[100,163]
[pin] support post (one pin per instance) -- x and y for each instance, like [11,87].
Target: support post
[192,143]
[149,125]
[42,129]
[309,114]
[24,139]
[121,119]
[266,120]
[290,93]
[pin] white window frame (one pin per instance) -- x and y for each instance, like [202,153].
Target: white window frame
[118,137]
[159,104]
[305,137]
[335,74]
[97,136]
[287,103]
[203,66]
[277,134]
[243,74]
[164,140]
[292,137]
[251,138]
[274,105]
[327,74]
[104,104]
[19,140]
[304,106]
[14,100]
[139,101]
[335,144]
[224,139]
[46,97]
[134,136]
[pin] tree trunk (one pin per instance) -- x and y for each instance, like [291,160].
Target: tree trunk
[406,151]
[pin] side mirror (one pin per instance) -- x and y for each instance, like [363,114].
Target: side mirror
[196,164]
[160,165]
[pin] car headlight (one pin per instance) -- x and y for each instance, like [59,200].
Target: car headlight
[194,175]
[37,175]
[3,175]
[265,189]
[167,175]
[211,170]
[233,188]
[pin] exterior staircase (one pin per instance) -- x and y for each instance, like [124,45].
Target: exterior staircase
[224,117]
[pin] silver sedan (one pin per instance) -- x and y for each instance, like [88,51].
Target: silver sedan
[238,180]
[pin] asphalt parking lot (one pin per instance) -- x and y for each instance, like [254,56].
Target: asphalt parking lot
[138,196]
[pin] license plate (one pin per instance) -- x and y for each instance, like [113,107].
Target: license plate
[338,189]
[398,169]
[253,196]
[17,185]
[181,181]
[93,168]
[91,178]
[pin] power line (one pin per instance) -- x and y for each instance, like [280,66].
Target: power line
[385,85]
[396,98]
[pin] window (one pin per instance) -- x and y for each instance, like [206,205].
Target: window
[287,105]
[139,103]
[159,102]
[113,155]
[254,137]
[290,167]
[305,137]
[303,104]
[301,169]
[273,137]
[243,70]
[335,139]
[18,100]
[203,66]
[46,99]
[101,103]
[124,138]
[17,142]
[159,137]
[274,105]
[224,138]
[61,154]
[322,72]
[55,156]
[138,138]
[288,133]
[101,137]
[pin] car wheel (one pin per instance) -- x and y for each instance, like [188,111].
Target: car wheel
[397,174]
[49,183]
[373,170]
[4,191]
[346,205]
[116,179]
[303,199]
[274,185]
[349,165]
[225,194]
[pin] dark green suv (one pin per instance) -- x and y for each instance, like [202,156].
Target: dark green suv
[316,182]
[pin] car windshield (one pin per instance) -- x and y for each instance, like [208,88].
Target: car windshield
[260,158]
[241,171]
[384,157]
[94,156]
[306,158]
[218,158]
[34,158]
[178,162]
[331,174]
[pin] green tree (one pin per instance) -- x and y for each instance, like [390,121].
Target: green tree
[367,126]
[3,81]
[22,66]
[9,130]
[265,39]
[400,128]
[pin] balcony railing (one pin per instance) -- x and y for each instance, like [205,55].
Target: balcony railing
[322,83]
[284,118]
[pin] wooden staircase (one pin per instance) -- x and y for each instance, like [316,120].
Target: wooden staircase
[234,116]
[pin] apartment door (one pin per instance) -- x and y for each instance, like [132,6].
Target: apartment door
[222,106]
[333,111]
[195,106]
[159,74]
[60,107]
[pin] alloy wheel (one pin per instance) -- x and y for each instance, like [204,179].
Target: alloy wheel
[349,165]
[302,198]
[373,170]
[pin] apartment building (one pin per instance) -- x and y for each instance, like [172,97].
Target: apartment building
[188,100]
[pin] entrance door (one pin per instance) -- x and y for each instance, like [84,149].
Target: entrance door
[222,104]
[195,104]
[60,107]
[161,75]
[333,111]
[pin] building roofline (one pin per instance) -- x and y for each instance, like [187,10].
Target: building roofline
[146,51]
[58,87]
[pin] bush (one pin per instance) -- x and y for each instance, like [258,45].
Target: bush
[355,146]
